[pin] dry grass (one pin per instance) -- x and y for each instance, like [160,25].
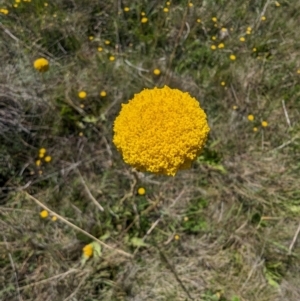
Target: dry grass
[236,212]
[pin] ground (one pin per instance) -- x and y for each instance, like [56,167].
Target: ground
[74,224]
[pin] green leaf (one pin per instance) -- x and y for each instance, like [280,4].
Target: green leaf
[96,249]
[90,119]
[137,242]
[271,281]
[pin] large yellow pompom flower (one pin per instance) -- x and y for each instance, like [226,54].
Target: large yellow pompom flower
[161,130]
[41,64]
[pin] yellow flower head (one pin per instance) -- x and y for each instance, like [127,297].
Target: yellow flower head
[103,93]
[198,20]
[242,39]
[82,94]
[44,214]
[141,191]
[38,162]
[250,117]
[126,8]
[4,11]
[100,49]
[42,150]
[112,58]
[263,18]
[223,83]
[221,46]
[176,237]
[54,218]
[106,42]
[232,57]
[214,19]
[264,124]
[161,130]
[213,47]
[88,251]
[41,64]
[166,9]
[48,158]
[144,20]
[156,71]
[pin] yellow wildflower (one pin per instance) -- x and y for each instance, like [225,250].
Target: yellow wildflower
[100,49]
[232,57]
[277,3]
[141,191]
[176,237]
[106,42]
[214,19]
[48,158]
[298,71]
[45,4]
[144,20]
[254,49]
[191,4]
[213,47]
[255,129]
[263,18]
[161,130]
[213,38]
[103,93]
[166,9]
[112,58]
[41,64]
[242,39]
[223,83]
[15,5]
[126,9]
[54,218]
[156,71]
[81,106]
[143,14]
[4,11]
[264,124]
[88,251]
[168,3]
[186,218]
[41,155]
[38,162]
[198,20]
[235,107]
[223,29]
[91,38]
[42,150]
[221,45]
[44,214]
[250,117]
[82,94]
